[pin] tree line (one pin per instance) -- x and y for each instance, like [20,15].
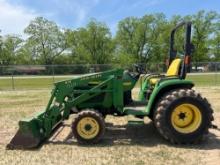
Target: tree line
[136,40]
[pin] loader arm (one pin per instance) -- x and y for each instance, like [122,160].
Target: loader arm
[65,95]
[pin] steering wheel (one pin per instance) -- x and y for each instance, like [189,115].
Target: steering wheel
[139,69]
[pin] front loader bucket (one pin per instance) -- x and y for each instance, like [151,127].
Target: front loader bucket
[33,131]
[23,141]
[29,134]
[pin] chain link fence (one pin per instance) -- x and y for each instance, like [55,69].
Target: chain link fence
[43,76]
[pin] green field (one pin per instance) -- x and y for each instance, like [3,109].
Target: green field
[46,82]
[29,83]
[205,79]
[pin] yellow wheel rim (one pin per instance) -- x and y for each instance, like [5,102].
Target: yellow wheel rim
[186,118]
[88,128]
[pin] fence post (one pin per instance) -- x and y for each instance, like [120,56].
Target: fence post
[215,74]
[53,73]
[12,80]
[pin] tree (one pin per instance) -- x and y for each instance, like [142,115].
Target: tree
[215,43]
[46,40]
[25,56]
[79,54]
[216,46]
[126,34]
[203,25]
[138,37]
[1,47]
[10,46]
[92,44]
[152,46]
[127,41]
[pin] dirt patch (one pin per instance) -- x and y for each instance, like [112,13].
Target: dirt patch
[213,96]
[212,146]
[5,137]
[118,133]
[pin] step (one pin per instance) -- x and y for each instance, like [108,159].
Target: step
[132,120]
[135,110]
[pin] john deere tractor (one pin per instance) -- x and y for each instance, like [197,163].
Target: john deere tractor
[180,114]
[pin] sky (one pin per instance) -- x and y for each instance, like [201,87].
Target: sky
[15,15]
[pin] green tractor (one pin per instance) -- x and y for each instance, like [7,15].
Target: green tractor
[179,114]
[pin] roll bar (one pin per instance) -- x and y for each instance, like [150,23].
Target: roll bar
[188,47]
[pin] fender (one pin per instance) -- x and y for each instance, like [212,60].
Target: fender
[163,87]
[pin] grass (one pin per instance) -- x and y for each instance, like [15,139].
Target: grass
[24,83]
[47,82]
[122,144]
[205,79]
[29,83]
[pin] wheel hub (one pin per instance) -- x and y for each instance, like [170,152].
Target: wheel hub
[88,128]
[186,118]
[182,116]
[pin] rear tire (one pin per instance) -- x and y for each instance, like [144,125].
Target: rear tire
[182,116]
[88,127]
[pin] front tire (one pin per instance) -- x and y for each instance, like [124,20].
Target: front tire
[183,116]
[88,127]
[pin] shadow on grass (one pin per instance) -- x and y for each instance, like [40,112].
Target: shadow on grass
[144,135]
